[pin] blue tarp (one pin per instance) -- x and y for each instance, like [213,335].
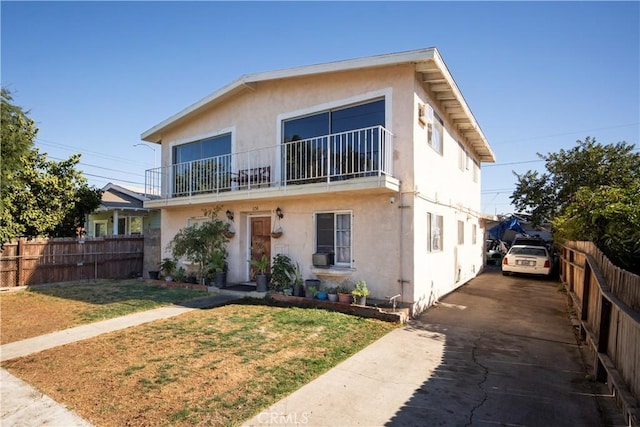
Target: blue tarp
[497,232]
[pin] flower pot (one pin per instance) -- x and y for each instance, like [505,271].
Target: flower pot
[333,297]
[261,282]
[345,298]
[221,279]
[322,295]
[358,300]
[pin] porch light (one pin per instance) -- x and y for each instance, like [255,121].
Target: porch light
[229,215]
[279,213]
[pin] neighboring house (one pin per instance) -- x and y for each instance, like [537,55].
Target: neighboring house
[373,163]
[122,211]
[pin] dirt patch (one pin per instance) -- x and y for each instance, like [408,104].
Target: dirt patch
[44,309]
[206,367]
[28,314]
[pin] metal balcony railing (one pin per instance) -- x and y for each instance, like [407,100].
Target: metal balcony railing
[329,158]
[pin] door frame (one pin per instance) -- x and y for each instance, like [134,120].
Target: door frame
[248,246]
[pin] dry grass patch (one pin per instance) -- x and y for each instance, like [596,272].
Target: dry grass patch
[207,367]
[41,310]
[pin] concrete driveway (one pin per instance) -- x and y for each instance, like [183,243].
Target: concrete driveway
[510,357]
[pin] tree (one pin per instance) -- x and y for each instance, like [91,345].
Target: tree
[591,192]
[589,164]
[39,197]
[198,243]
[610,218]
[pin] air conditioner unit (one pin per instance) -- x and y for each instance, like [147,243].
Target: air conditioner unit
[322,260]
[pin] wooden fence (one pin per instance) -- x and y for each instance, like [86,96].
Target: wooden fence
[607,302]
[39,261]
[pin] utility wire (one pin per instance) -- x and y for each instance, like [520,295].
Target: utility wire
[85,151]
[564,134]
[101,167]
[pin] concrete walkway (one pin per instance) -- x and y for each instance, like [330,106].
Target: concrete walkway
[498,351]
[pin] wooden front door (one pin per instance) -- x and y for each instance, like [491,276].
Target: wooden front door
[260,239]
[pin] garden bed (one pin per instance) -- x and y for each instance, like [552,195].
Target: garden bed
[400,315]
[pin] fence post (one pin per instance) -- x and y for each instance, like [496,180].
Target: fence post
[603,338]
[20,253]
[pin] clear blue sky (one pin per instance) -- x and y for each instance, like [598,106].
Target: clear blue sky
[537,75]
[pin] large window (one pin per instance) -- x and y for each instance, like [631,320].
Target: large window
[202,166]
[328,145]
[434,232]
[203,149]
[333,235]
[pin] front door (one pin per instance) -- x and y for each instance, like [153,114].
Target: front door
[260,239]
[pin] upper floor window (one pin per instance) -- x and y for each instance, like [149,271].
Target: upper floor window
[203,149]
[335,121]
[461,232]
[333,235]
[435,134]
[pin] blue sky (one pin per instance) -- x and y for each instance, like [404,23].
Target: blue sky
[537,75]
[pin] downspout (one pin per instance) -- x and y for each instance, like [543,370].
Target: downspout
[401,206]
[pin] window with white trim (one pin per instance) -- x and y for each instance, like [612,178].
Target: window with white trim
[461,232]
[196,220]
[100,228]
[435,135]
[434,232]
[474,234]
[333,235]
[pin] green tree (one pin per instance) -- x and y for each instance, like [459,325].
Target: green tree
[590,192]
[610,218]
[589,164]
[39,197]
[197,243]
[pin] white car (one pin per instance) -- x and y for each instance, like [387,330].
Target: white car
[527,259]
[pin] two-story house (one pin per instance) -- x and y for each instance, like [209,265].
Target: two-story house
[369,167]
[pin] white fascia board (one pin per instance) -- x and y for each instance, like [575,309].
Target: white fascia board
[155,133]
[463,103]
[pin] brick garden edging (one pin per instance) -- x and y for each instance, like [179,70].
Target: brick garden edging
[400,315]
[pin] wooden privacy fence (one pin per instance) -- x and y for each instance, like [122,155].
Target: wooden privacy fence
[607,302]
[39,261]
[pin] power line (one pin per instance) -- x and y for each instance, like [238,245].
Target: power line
[101,167]
[113,179]
[564,134]
[85,151]
[512,163]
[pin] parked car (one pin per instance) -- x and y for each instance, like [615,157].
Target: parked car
[527,259]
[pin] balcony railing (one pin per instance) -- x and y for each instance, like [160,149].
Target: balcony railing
[329,158]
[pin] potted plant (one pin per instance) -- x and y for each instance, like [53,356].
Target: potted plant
[295,278]
[360,292]
[168,267]
[261,265]
[281,270]
[181,275]
[195,243]
[344,295]
[217,268]
[332,294]
[311,291]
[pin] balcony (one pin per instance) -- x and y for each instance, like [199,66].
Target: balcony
[349,161]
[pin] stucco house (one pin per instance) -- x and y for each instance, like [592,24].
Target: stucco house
[369,167]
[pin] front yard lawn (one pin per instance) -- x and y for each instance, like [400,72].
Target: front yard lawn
[42,310]
[207,367]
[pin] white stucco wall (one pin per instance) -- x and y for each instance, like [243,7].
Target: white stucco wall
[389,239]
